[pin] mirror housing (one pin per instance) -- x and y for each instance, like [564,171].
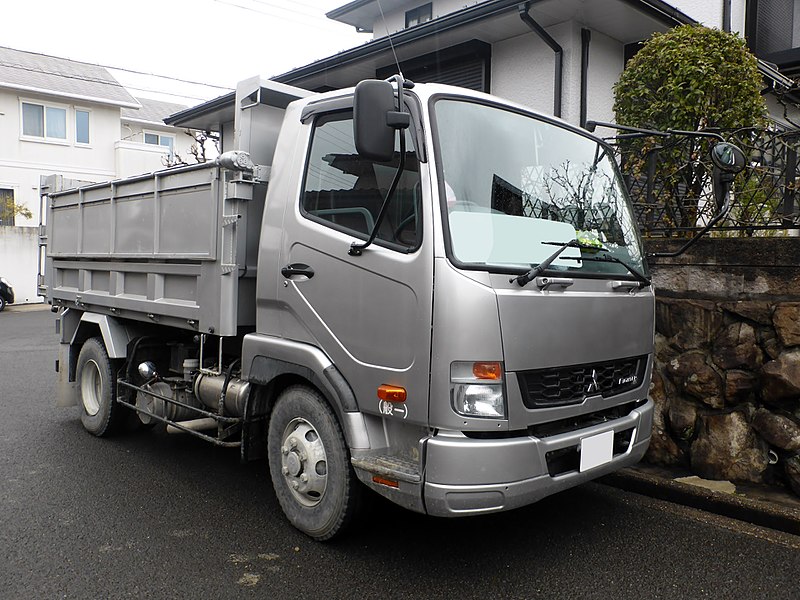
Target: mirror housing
[728,160]
[372,103]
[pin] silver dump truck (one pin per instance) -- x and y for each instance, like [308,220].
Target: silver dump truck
[418,289]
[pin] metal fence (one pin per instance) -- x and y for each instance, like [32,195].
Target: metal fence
[669,180]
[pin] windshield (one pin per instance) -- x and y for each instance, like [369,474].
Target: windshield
[513,183]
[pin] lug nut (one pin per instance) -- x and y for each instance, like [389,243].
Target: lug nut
[304,478]
[285,470]
[295,485]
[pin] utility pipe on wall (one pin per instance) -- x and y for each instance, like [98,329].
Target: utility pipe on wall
[586,38]
[557,50]
[726,15]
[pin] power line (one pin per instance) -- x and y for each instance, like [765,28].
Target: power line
[96,80]
[283,17]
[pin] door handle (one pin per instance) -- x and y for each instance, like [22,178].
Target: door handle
[296,270]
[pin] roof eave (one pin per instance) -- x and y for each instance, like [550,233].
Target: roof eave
[195,112]
[66,95]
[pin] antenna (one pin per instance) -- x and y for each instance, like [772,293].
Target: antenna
[391,43]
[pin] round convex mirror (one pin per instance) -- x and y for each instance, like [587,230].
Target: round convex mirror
[727,157]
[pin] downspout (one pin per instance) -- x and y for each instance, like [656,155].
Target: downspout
[726,15]
[586,38]
[557,50]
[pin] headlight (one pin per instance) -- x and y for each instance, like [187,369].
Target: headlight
[476,389]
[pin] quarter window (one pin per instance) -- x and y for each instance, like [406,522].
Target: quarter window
[345,191]
[46,122]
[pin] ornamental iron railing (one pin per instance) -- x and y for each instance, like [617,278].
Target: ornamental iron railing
[670,183]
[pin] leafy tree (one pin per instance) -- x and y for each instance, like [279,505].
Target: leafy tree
[689,78]
[9,209]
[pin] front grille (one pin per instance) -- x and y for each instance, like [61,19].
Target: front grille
[545,388]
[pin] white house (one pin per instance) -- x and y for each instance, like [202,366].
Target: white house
[561,57]
[59,116]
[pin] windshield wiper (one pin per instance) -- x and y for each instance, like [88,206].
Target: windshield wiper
[638,276]
[525,278]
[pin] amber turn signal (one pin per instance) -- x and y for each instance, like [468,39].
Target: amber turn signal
[391,393]
[383,481]
[487,370]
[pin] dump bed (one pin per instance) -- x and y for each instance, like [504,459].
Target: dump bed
[176,247]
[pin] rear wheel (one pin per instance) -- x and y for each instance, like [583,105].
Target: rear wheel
[2,303]
[97,386]
[310,465]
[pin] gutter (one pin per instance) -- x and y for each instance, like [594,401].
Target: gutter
[558,52]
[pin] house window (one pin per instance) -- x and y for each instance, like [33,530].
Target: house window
[6,207]
[81,126]
[42,121]
[159,139]
[421,14]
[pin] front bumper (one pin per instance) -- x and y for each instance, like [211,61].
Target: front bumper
[467,476]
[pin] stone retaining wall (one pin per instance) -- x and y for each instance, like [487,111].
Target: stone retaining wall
[727,376]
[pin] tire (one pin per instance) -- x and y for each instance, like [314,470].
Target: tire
[2,303]
[96,375]
[320,499]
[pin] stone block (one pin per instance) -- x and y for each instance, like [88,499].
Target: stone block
[691,374]
[781,378]
[735,347]
[779,431]
[786,320]
[740,386]
[727,448]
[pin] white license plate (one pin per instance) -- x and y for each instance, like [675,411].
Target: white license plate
[597,450]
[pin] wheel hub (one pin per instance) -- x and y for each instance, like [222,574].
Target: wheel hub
[91,387]
[304,463]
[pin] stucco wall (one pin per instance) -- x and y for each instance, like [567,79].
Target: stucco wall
[523,70]
[22,161]
[19,252]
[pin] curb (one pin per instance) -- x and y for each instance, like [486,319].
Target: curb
[736,506]
[14,308]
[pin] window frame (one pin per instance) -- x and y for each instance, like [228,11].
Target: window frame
[353,233]
[418,12]
[44,138]
[88,112]
[160,135]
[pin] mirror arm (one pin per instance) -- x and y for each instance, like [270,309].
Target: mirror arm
[400,121]
[719,216]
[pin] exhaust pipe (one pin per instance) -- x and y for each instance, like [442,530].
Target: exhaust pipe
[194,425]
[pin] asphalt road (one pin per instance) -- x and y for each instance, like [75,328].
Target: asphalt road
[148,515]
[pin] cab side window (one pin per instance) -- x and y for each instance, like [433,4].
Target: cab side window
[345,192]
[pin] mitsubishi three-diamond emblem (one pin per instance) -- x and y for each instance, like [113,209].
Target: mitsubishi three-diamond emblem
[593,386]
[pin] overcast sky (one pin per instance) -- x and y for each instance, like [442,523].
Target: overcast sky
[218,42]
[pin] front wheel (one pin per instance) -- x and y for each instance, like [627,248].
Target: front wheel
[97,386]
[310,465]
[2,303]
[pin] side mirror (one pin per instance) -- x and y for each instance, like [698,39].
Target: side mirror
[728,160]
[372,103]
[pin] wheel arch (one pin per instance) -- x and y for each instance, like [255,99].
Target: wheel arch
[274,363]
